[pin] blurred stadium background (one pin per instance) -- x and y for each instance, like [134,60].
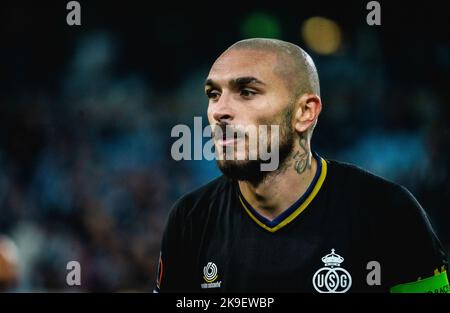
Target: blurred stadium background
[86,114]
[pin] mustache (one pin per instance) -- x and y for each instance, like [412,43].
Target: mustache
[224,130]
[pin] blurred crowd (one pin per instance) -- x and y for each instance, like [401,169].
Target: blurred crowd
[86,172]
[87,175]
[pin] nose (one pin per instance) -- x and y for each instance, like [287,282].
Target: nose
[221,110]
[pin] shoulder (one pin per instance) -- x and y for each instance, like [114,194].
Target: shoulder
[377,199]
[355,175]
[201,200]
[397,223]
[363,183]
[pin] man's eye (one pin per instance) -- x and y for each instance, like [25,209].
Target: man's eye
[212,94]
[247,93]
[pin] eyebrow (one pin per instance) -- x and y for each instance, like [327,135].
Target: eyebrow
[245,81]
[236,82]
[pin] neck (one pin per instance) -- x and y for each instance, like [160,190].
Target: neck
[279,190]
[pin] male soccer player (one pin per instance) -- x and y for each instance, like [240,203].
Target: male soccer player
[311,225]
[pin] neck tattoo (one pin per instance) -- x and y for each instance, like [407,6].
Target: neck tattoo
[302,158]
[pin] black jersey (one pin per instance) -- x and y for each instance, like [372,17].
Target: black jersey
[350,231]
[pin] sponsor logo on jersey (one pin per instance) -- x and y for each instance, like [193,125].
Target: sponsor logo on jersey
[332,278]
[210,276]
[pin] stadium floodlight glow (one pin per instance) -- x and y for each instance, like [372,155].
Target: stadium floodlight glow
[321,35]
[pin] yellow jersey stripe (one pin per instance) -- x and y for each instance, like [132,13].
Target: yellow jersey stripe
[299,210]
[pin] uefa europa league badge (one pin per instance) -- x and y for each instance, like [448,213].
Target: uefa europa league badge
[332,278]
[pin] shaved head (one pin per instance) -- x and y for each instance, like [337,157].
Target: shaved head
[294,65]
[260,82]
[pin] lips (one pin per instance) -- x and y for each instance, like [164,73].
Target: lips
[226,140]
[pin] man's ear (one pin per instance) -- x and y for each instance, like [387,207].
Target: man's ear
[309,107]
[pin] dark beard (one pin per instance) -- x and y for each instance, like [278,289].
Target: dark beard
[250,170]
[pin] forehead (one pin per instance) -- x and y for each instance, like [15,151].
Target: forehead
[242,63]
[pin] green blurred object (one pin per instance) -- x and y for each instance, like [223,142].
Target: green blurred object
[260,24]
